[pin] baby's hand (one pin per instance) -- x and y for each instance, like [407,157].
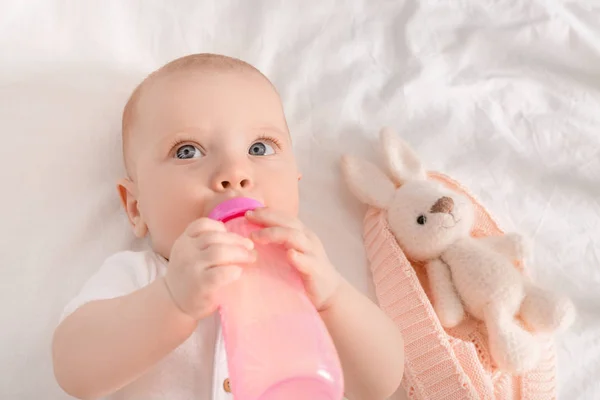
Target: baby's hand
[305,252]
[203,259]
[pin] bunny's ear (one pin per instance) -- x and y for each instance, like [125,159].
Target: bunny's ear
[368,183]
[401,160]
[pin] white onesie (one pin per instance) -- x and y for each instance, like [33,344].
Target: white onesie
[197,369]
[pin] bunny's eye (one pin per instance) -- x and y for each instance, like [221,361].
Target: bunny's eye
[421,220]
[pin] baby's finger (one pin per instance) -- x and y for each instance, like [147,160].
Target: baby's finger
[214,278]
[269,217]
[204,225]
[304,263]
[207,239]
[226,254]
[288,237]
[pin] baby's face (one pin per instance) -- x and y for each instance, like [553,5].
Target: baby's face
[202,137]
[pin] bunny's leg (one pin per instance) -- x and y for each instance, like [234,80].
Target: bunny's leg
[446,302]
[544,311]
[512,347]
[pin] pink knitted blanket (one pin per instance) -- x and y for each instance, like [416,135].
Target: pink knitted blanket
[453,364]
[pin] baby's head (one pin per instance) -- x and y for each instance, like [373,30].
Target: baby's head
[202,129]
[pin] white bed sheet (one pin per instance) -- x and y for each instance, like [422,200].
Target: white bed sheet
[503,95]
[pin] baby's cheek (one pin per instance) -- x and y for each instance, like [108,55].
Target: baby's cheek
[168,227]
[286,197]
[173,208]
[164,229]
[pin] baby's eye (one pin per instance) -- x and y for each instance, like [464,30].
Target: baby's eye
[261,148]
[188,151]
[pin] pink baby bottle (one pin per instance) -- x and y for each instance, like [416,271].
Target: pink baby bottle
[277,345]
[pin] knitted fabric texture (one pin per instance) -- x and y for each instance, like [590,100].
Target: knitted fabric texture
[452,364]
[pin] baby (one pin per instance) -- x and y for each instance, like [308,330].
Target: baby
[202,129]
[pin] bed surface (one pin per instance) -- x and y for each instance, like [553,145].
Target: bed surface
[504,96]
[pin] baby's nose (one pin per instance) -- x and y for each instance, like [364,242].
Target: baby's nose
[235,184]
[443,205]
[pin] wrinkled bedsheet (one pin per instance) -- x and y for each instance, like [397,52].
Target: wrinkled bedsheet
[502,95]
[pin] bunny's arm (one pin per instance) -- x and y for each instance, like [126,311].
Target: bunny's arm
[446,302]
[511,245]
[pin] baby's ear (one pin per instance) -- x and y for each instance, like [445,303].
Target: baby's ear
[128,194]
[368,183]
[401,160]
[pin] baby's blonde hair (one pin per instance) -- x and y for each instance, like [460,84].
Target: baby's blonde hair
[189,62]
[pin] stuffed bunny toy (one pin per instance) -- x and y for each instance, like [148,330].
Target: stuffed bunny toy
[478,276]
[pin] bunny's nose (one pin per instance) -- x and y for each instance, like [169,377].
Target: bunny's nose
[443,205]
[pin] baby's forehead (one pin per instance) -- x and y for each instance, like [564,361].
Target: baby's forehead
[174,76]
[172,87]
[195,96]
[182,67]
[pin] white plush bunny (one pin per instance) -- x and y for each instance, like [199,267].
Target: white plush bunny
[476,275]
